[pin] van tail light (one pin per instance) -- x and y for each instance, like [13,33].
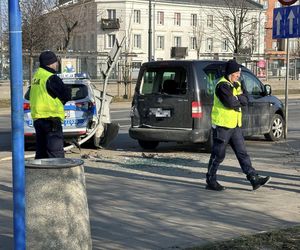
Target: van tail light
[26,106]
[197,110]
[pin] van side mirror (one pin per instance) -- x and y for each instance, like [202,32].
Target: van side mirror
[267,89]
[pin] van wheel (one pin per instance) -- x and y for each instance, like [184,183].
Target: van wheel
[277,129]
[148,144]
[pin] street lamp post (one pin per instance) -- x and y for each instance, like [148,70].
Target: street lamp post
[150,32]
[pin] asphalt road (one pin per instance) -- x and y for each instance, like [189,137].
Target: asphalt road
[120,114]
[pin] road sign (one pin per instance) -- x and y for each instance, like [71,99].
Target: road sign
[286,22]
[287,2]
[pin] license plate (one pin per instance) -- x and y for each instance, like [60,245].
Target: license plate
[158,112]
[69,122]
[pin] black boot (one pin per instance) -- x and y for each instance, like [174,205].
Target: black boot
[214,186]
[258,181]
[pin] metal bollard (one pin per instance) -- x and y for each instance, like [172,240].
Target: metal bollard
[57,215]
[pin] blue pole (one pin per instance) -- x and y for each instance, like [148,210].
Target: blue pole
[17,116]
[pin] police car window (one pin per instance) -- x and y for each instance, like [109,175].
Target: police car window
[252,84]
[165,81]
[78,91]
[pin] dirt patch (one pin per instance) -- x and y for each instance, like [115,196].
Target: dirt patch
[288,239]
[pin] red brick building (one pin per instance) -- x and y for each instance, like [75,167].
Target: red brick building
[275,49]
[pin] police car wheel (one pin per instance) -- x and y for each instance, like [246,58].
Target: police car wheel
[277,129]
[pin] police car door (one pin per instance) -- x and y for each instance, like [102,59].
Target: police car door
[258,106]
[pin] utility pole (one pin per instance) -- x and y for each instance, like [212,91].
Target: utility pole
[150,33]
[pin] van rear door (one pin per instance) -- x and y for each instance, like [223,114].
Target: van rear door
[163,100]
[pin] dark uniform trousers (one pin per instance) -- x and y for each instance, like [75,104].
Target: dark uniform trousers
[221,137]
[49,138]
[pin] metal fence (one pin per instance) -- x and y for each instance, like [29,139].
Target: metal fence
[125,73]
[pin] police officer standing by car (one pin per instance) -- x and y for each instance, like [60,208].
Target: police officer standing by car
[48,95]
[230,95]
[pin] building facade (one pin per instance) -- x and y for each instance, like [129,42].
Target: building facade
[173,29]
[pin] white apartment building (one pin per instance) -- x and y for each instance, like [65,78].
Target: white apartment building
[180,29]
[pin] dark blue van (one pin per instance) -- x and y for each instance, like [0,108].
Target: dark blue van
[173,102]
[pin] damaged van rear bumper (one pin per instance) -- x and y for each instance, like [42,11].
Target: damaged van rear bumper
[169,135]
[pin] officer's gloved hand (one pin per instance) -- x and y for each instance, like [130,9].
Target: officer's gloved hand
[238,109]
[236,85]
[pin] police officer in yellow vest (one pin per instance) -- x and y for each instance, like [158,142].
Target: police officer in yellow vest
[48,95]
[226,117]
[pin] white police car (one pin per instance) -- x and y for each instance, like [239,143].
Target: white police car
[82,112]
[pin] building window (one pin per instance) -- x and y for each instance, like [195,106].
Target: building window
[225,44]
[79,43]
[137,16]
[111,38]
[193,43]
[111,14]
[254,45]
[160,43]
[137,41]
[254,23]
[194,20]
[210,21]
[266,4]
[160,17]
[74,43]
[136,65]
[92,42]
[226,21]
[209,44]
[83,43]
[177,41]
[177,19]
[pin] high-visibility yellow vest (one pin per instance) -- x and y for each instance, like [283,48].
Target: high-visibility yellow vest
[42,105]
[223,116]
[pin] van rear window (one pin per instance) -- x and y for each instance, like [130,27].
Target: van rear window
[170,81]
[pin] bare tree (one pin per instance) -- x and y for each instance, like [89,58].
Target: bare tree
[34,30]
[198,32]
[236,24]
[48,25]
[65,19]
[34,26]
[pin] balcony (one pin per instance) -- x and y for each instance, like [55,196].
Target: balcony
[178,52]
[110,24]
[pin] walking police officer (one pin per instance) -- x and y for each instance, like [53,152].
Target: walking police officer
[226,119]
[48,94]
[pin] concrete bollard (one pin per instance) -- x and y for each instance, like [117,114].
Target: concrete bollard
[57,215]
